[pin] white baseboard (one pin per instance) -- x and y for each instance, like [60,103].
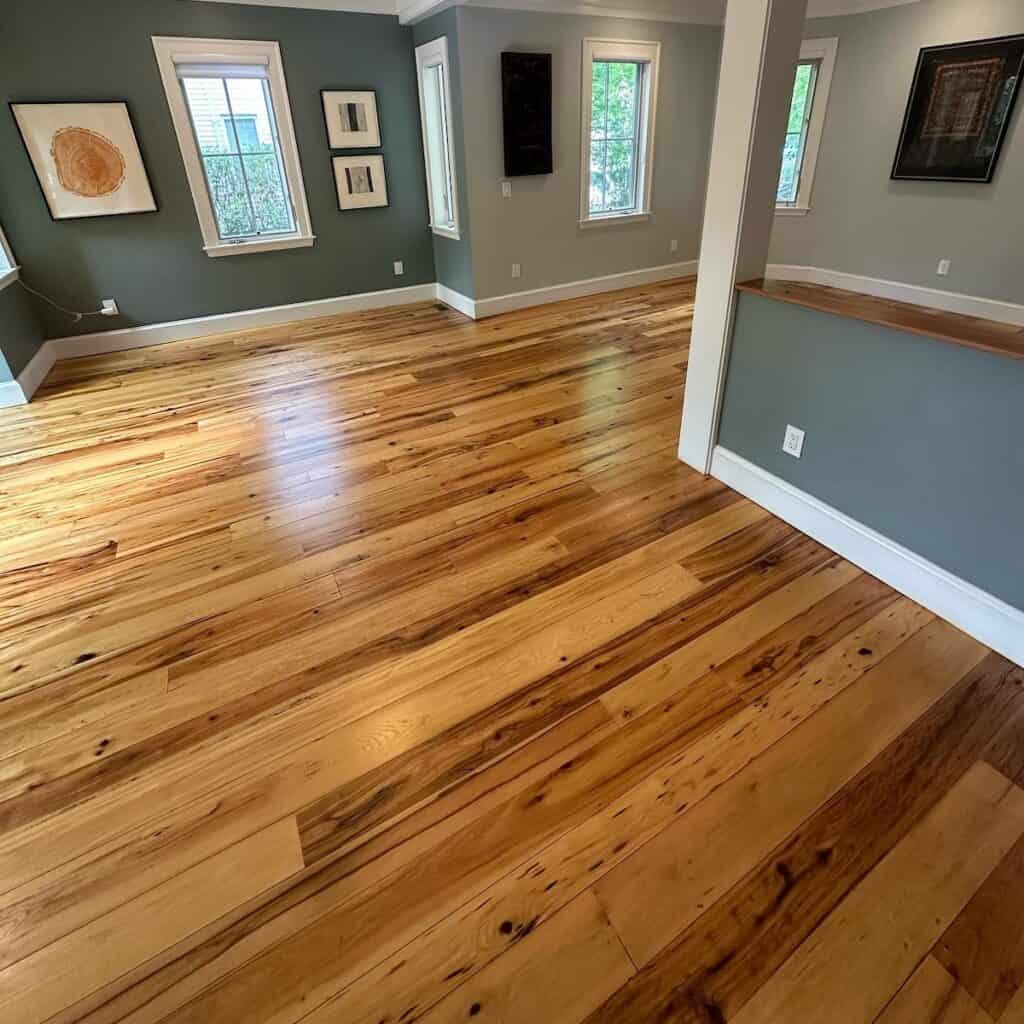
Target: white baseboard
[180,330]
[11,393]
[952,302]
[985,617]
[577,289]
[21,390]
[462,303]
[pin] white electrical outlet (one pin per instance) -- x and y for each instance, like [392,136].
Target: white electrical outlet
[793,443]
[506,190]
[944,267]
[110,307]
[517,270]
[399,268]
[673,246]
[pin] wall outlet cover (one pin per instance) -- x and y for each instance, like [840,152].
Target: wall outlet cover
[793,443]
[673,246]
[399,268]
[517,270]
[944,267]
[506,190]
[110,307]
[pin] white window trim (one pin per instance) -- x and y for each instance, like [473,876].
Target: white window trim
[644,52]
[10,275]
[823,50]
[433,54]
[171,50]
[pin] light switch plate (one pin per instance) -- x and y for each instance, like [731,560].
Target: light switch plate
[793,443]
[506,190]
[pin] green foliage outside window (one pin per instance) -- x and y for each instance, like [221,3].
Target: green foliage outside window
[792,150]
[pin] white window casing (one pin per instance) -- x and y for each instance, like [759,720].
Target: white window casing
[647,54]
[433,76]
[8,268]
[179,57]
[823,51]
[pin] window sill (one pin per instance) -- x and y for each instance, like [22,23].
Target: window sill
[260,245]
[618,218]
[792,211]
[8,277]
[446,232]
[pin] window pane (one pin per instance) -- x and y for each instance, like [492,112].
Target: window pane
[621,173]
[598,182]
[228,196]
[796,132]
[247,191]
[599,100]
[623,80]
[435,118]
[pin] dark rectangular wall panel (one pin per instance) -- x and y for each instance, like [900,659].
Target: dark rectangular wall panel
[526,96]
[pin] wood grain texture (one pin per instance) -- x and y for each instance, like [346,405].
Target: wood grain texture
[346,666]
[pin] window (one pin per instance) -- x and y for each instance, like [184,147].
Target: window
[8,268]
[229,105]
[620,88]
[438,146]
[806,122]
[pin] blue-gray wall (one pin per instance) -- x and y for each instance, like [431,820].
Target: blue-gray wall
[154,264]
[918,439]
[453,258]
[21,333]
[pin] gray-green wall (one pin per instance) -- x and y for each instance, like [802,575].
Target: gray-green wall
[154,264]
[21,333]
[918,439]
[863,223]
[453,257]
[539,226]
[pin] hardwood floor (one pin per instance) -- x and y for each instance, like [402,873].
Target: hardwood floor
[390,668]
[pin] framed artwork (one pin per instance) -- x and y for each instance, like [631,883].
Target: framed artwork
[86,158]
[361,182]
[959,110]
[351,119]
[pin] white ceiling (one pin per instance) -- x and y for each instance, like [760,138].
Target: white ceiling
[707,12]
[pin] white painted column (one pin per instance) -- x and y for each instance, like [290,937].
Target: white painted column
[755,90]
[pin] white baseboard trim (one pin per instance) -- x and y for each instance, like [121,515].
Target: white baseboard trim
[952,302]
[985,617]
[578,289]
[11,393]
[21,390]
[459,302]
[196,327]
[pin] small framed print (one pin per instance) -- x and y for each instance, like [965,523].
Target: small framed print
[361,182]
[351,119]
[86,158]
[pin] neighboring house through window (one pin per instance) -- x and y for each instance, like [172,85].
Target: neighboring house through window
[620,88]
[806,124]
[229,104]
[434,76]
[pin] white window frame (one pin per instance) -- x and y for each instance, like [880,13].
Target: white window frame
[8,274]
[430,55]
[824,51]
[172,50]
[641,52]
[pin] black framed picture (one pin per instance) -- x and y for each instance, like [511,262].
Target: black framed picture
[526,109]
[959,111]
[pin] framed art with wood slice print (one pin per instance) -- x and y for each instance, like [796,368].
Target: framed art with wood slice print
[960,110]
[351,119]
[86,158]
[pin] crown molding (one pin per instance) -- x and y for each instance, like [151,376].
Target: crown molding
[387,7]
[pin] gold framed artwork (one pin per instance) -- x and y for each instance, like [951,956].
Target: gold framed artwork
[351,119]
[86,158]
[360,181]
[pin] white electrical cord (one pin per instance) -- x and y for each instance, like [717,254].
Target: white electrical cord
[70,312]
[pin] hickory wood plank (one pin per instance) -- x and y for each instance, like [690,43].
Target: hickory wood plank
[665,885]
[1014,1013]
[932,996]
[558,972]
[737,944]
[984,947]
[851,966]
[429,967]
[39,985]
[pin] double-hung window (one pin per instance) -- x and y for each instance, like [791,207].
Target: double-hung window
[620,89]
[434,75]
[806,124]
[229,104]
